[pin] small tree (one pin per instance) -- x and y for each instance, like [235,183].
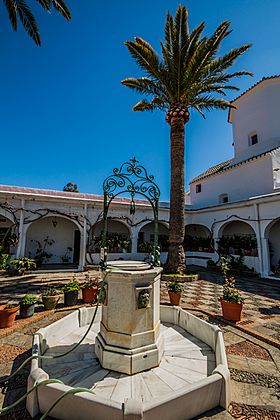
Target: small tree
[71,187]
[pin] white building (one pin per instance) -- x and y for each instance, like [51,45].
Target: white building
[236,202]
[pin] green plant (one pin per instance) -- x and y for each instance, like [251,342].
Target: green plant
[11,305]
[51,291]
[175,286]
[211,263]
[4,259]
[28,300]
[90,282]
[72,286]
[145,247]
[230,292]
[24,263]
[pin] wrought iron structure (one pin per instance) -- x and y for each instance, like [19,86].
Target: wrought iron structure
[133,179]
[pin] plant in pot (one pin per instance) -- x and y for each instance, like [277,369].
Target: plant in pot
[8,314]
[231,301]
[71,292]
[175,289]
[90,289]
[27,306]
[50,298]
[23,264]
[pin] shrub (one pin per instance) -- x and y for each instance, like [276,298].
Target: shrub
[28,300]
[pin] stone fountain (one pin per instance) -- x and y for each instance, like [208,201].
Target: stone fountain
[141,360]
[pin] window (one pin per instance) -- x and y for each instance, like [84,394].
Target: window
[253,139]
[198,188]
[223,198]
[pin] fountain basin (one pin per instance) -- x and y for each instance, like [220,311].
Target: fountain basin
[192,376]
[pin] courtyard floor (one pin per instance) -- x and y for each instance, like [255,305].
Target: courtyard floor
[253,345]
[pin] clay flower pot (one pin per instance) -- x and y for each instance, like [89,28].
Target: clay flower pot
[174,297]
[50,302]
[231,311]
[89,294]
[7,316]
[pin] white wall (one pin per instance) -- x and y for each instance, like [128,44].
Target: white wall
[242,182]
[258,111]
[62,234]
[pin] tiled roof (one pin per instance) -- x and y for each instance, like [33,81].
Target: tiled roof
[222,167]
[256,84]
[61,194]
[211,171]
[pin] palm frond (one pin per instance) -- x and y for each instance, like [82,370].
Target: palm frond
[62,8]
[28,21]
[144,105]
[11,6]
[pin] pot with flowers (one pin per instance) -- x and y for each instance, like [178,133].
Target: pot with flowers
[8,314]
[27,306]
[50,298]
[175,290]
[90,289]
[71,292]
[231,301]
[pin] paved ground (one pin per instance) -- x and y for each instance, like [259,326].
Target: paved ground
[254,362]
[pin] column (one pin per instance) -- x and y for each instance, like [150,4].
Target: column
[21,236]
[134,240]
[83,241]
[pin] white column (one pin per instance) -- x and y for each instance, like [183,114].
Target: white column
[83,241]
[265,258]
[21,236]
[259,239]
[134,240]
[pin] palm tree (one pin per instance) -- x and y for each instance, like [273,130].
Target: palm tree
[188,75]
[19,9]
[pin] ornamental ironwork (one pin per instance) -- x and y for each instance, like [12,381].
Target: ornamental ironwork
[133,179]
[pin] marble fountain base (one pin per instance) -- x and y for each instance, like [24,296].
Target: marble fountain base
[191,378]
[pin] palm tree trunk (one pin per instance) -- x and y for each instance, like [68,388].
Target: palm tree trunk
[176,254]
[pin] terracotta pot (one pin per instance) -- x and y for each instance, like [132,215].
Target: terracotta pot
[50,302]
[174,297]
[89,294]
[231,311]
[8,316]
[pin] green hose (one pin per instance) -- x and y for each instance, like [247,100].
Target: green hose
[51,357]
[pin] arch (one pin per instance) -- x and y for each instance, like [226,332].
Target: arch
[237,237]
[8,236]
[197,238]
[54,239]
[146,237]
[119,236]
[272,233]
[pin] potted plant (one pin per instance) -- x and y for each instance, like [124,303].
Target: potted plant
[23,264]
[231,301]
[71,292]
[8,314]
[175,289]
[50,298]
[27,306]
[90,289]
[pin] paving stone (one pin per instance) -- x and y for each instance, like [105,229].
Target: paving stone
[255,395]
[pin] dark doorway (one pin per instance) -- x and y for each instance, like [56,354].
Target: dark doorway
[77,244]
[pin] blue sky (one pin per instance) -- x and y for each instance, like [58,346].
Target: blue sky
[65,116]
